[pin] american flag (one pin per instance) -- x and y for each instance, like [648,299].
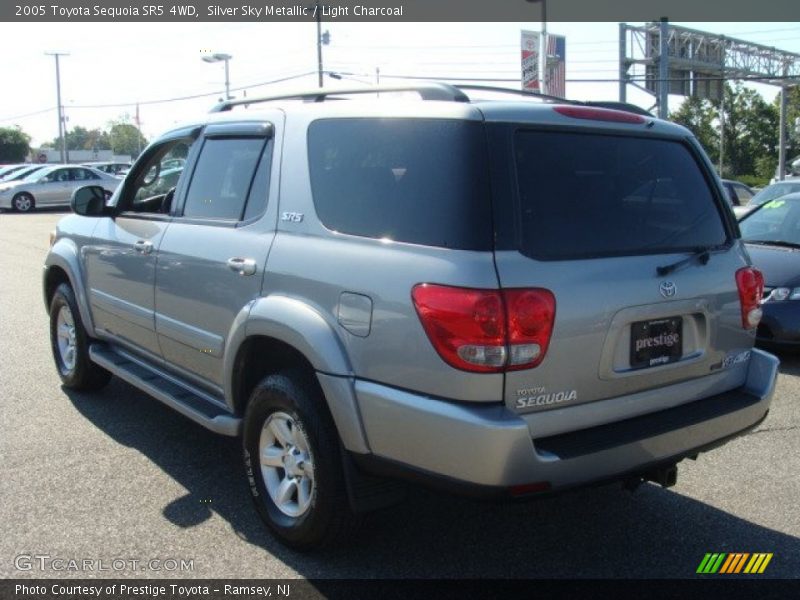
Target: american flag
[556,65]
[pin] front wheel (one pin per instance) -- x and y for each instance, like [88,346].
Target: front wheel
[23,202]
[293,462]
[70,344]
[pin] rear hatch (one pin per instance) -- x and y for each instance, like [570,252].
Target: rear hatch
[626,227]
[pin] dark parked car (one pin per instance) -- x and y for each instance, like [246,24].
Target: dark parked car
[772,235]
[738,193]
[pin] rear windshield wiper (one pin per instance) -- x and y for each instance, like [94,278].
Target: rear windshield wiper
[782,243]
[701,255]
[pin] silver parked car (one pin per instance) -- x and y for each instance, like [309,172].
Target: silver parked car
[504,298]
[52,186]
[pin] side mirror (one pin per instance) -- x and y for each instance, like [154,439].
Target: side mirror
[89,201]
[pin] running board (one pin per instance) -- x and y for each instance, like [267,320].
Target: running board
[151,381]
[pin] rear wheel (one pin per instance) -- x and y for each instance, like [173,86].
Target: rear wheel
[70,344]
[293,462]
[23,202]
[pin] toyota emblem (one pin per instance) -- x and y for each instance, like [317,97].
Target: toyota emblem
[667,289]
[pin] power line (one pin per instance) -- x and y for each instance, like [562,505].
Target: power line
[194,96]
[38,112]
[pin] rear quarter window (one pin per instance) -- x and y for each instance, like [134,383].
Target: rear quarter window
[586,195]
[420,181]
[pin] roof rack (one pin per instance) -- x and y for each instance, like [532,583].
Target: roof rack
[427,91]
[623,106]
[515,92]
[430,90]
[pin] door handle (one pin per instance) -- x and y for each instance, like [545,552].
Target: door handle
[243,266]
[143,247]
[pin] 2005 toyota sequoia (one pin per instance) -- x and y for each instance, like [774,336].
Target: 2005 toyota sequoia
[501,297]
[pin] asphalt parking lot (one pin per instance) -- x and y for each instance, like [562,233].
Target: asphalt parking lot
[119,476]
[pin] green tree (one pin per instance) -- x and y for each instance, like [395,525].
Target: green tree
[80,138]
[125,138]
[698,116]
[750,130]
[15,144]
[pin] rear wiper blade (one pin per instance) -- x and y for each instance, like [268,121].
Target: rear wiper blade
[701,255]
[782,243]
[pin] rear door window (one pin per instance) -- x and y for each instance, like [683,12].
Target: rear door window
[593,195]
[421,181]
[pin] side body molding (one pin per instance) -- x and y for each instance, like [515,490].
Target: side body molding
[299,325]
[64,254]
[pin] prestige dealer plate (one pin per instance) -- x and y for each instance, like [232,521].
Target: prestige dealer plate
[656,342]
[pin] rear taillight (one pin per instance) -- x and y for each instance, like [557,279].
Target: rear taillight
[750,283]
[486,331]
[530,324]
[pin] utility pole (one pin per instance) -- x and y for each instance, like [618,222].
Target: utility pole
[782,138]
[623,71]
[319,43]
[139,130]
[722,128]
[62,134]
[663,69]
[544,87]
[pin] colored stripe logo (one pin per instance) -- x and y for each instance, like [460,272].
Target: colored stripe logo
[734,562]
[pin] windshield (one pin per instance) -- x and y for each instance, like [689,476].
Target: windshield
[21,174]
[777,221]
[773,191]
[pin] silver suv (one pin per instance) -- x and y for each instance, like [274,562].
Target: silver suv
[501,298]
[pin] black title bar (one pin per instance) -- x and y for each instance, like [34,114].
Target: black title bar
[275,11]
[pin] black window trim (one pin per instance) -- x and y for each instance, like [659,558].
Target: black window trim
[187,133]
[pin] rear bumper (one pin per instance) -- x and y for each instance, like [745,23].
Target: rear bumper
[490,447]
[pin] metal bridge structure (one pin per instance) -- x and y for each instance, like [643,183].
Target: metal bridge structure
[663,59]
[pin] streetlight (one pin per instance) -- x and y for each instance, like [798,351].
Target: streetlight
[61,124]
[221,57]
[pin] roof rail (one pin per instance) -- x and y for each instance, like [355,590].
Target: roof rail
[427,91]
[515,92]
[623,106]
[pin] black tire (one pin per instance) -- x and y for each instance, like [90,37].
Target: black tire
[23,202]
[83,374]
[328,517]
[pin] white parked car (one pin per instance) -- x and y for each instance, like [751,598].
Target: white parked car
[52,186]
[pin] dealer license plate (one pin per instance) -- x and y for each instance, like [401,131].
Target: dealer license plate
[656,342]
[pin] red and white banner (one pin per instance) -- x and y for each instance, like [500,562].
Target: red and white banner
[530,61]
[555,71]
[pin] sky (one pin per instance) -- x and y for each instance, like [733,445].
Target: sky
[120,64]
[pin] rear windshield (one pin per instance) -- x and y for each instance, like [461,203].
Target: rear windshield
[592,195]
[421,181]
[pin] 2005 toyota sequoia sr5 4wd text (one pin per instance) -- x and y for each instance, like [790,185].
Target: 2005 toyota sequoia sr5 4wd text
[502,297]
